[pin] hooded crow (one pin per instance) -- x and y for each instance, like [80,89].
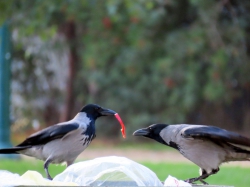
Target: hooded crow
[206,146]
[62,142]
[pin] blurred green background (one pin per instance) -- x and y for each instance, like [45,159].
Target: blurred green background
[152,61]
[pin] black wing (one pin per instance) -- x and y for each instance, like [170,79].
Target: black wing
[216,134]
[48,134]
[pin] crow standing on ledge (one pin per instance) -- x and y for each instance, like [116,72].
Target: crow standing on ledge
[62,142]
[206,146]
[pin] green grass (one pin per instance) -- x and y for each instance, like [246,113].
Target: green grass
[21,166]
[231,176]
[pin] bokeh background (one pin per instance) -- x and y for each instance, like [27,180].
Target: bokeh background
[152,61]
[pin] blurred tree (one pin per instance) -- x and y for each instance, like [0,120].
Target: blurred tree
[153,61]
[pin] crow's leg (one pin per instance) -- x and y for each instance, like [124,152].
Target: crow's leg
[46,166]
[204,175]
[69,162]
[192,180]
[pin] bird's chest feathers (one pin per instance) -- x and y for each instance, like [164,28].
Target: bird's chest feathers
[89,134]
[87,126]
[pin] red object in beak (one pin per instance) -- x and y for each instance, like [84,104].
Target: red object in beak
[122,125]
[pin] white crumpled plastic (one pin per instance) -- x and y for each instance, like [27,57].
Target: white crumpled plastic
[29,178]
[104,171]
[109,171]
[173,182]
[9,179]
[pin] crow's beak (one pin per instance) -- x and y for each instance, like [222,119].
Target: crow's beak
[141,132]
[107,112]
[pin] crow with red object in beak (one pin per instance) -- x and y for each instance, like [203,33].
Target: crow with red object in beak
[62,142]
[206,146]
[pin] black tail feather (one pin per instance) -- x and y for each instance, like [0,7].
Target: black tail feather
[12,150]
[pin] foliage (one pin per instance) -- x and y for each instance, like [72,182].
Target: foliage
[153,61]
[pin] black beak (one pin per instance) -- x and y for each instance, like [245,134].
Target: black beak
[141,132]
[107,112]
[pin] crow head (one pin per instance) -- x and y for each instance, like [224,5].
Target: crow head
[95,111]
[153,132]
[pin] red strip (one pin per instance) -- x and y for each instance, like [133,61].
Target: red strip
[122,125]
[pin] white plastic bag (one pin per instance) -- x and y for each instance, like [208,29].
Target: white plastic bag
[9,179]
[29,178]
[172,181]
[109,171]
